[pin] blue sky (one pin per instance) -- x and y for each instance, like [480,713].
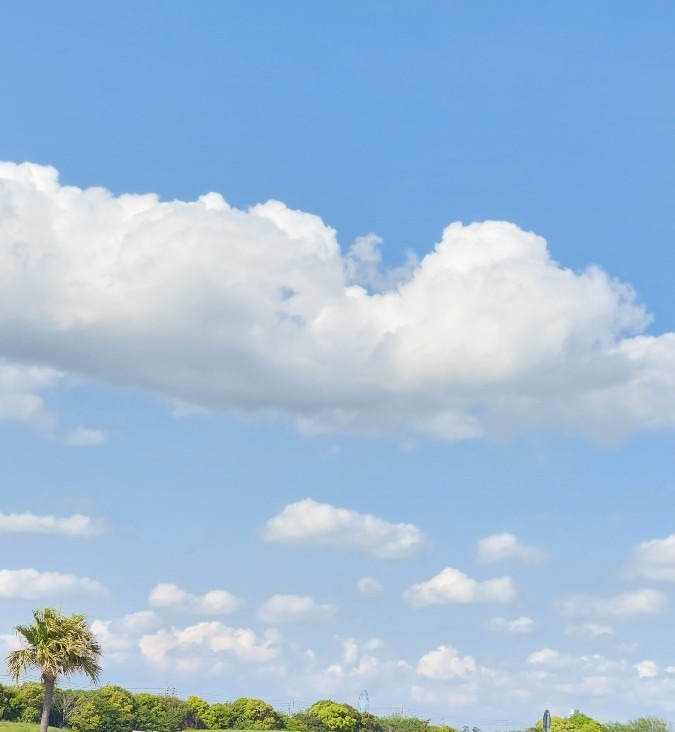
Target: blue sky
[304,437]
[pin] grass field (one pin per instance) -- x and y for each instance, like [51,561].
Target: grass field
[23,727]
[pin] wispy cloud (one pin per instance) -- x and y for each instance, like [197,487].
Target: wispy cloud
[29,584]
[589,630]
[294,609]
[85,437]
[30,523]
[507,547]
[369,586]
[639,602]
[518,625]
[654,560]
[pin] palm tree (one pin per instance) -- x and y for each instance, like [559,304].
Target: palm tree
[57,645]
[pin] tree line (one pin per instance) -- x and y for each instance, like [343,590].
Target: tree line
[114,709]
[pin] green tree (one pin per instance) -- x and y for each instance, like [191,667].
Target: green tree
[26,704]
[641,724]
[337,717]
[7,694]
[573,723]
[303,722]
[255,714]
[56,645]
[220,716]
[200,712]
[160,713]
[108,709]
[405,724]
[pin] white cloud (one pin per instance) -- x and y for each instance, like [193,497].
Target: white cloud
[369,586]
[646,669]
[519,625]
[589,630]
[161,648]
[293,609]
[654,560]
[30,523]
[453,586]
[141,620]
[308,521]
[485,335]
[639,602]
[83,437]
[20,387]
[29,584]
[545,656]
[445,663]
[115,645]
[505,547]
[215,602]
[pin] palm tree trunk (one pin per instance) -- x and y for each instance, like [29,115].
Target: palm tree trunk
[47,703]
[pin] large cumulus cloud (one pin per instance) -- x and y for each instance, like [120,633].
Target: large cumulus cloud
[259,311]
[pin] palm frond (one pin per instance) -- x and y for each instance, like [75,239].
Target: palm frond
[56,644]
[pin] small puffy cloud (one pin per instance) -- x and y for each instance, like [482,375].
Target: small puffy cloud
[116,645]
[293,609]
[445,663]
[369,586]
[547,656]
[29,584]
[519,625]
[142,620]
[640,602]
[654,560]
[485,335]
[84,437]
[453,586]
[588,630]
[646,669]
[30,523]
[215,602]
[164,647]
[507,547]
[20,389]
[311,522]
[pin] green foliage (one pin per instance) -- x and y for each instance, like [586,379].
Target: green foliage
[161,713]
[574,723]
[55,644]
[64,703]
[7,694]
[220,716]
[303,722]
[255,714]
[109,709]
[336,717]
[641,724]
[26,704]
[198,713]
[369,723]
[404,724]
